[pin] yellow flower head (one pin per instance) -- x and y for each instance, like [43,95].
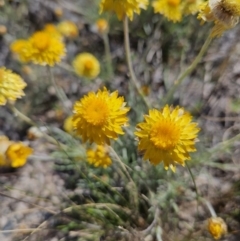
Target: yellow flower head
[102,25]
[123,7]
[11,86]
[99,157]
[13,154]
[86,65]
[171,9]
[167,136]
[68,29]
[44,49]
[18,47]
[205,13]
[68,124]
[4,144]
[17,154]
[99,117]
[217,227]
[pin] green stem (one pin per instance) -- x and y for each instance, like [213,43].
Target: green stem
[210,208]
[108,55]
[22,116]
[121,163]
[225,144]
[59,91]
[32,123]
[193,179]
[188,71]
[129,62]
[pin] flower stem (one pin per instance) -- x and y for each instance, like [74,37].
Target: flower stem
[22,116]
[188,71]
[193,179]
[60,93]
[108,55]
[129,61]
[121,163]
[32,123]
[210,208]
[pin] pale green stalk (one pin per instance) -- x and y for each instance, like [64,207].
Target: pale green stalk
[59,91]
[32,123]
[188,71]
[108,55]
[129,62]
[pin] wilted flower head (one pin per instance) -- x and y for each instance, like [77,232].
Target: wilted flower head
[217,227]
[11,86]
[13,154]
[123,7]
[99,117]
[98,156]
[224,13]
[86,65]
[68,29]
[167,136]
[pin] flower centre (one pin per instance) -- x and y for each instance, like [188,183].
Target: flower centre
[173,3]
[41,40]
[88,65]
[97,112]
[165,135]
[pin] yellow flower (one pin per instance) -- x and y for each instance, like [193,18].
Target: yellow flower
[123,7]
[205,13]
[99,117]
[217,227]
[11,86]
[86,65]
[44,49]
[13,154]
[102,25]
[4,144]
[171,9]
[17,154]
[167,136]
[99,157]
[68,29]
[68,125]
[18,47]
